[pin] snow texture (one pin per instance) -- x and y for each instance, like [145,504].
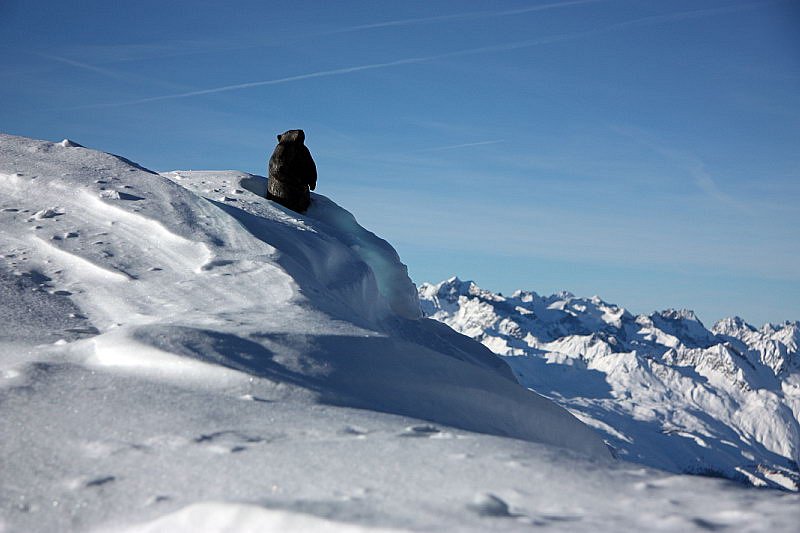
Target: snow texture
[179,353]
[665,391]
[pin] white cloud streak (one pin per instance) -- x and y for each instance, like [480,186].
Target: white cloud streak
[83,66]
[460,16]
[115,75]
[645,21]
[457,146]
[688,163]
[277,81]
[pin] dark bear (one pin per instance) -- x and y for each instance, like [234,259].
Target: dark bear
[292,172]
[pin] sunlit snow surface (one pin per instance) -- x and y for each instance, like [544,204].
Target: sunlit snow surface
[663,390]
[180,354]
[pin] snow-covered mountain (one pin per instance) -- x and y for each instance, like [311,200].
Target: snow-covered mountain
[178,353]
[662,389]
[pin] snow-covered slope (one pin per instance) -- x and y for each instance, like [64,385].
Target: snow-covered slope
[177,349]
[664,390]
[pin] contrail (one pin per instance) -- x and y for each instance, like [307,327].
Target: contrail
[84,66]
[460,16]
[670,17]
[277,81]
[110,73]
[645,21]
[465,145]
[688,162]
[545,7]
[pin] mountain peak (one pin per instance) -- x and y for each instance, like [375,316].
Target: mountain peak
[599,360]
[733,326]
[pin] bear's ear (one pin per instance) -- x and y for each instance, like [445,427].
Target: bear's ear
[279,137]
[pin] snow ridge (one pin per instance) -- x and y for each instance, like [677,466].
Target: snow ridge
[194,280]
[194,274]
[179,353]
[665,390]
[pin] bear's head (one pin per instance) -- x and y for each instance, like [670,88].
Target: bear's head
[292,136]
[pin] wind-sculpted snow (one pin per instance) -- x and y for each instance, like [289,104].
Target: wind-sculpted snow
[183,275]
[178,353]
[162,333]
[664,390]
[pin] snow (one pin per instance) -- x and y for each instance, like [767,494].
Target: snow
[663,390]
[179,353]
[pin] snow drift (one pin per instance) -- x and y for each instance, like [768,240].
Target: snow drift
[178,353]
[180,276]
[192,281]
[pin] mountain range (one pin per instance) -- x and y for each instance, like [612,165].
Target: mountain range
[662,389]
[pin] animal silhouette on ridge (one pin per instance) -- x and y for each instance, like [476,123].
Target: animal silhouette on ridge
[292,172]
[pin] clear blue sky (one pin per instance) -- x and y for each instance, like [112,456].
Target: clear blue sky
[644,151]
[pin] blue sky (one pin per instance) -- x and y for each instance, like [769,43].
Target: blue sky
[644,151]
